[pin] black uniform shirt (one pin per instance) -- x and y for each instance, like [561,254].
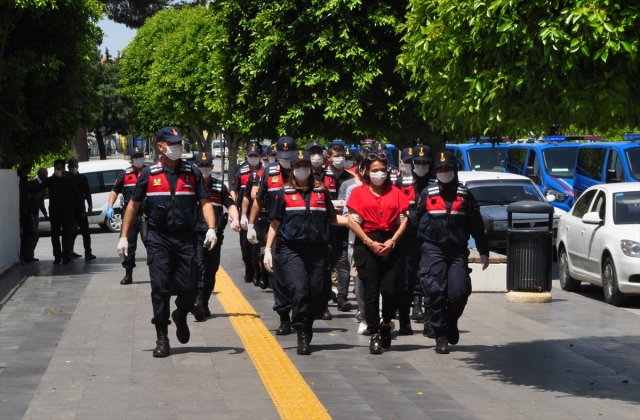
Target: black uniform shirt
[140,192]
[83,188]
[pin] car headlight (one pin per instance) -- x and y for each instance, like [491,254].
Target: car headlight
[560,197]
[500,225]
[630,248]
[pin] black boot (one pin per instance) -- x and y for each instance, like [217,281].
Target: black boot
[256,277]
[428,330]
[418,315]
[285,325]
[405,323]
[344,305]
[375,347]
[442,345]
[248,273]
[128,278]
[207,312]
[385,336]
[453,334]
[264,279]
[162,343]
[303,342]
[198,308]
[182,329]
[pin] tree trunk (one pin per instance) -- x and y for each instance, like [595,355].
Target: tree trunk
[233,140]
[79,145]
[197,133]
[101,148]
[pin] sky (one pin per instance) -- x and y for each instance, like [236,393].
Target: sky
[116,36]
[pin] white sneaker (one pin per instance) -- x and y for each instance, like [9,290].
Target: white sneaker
[362,329]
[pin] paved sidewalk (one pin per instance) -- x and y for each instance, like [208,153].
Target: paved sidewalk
[76,344]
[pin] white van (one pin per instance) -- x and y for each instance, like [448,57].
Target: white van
[102,174]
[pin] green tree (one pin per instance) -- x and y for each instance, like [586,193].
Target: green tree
[114,112]
[509,67]
[327,69]
[133,13]
[45,75]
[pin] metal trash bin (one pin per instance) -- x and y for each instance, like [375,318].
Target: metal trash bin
[529,251]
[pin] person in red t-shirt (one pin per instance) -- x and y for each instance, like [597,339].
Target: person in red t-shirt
[378,217]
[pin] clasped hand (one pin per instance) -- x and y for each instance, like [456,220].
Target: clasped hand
[382,249]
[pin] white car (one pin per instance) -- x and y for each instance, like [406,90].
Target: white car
[494,191]
[101,175]
[599,241]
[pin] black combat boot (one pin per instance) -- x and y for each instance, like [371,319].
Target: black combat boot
[198,308]
[428,330]
[162,343]
[264,279]
[128,277]
[248,273]
[442,345]
[182,329]
[418,315]
[405,323]
[285,325]
[303,342]
[205,306]
[453,334]
[375,347]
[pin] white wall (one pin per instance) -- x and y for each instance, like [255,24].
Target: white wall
[9,219]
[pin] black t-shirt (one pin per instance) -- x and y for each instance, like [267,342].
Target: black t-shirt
[140,192]
[83,188]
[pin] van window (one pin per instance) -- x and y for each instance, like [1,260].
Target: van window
[515,160]
[614,162]
[582,206]
[560,161]
[487,159]
[534,163]
[100,182]
[633,157]
[590,162]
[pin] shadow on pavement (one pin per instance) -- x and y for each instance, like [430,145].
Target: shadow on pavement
[593,367]
[184,350]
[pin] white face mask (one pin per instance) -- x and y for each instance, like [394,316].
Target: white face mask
[421,170]
[378,178]
[73,170]
[406,168]
[253,161]
[301,173]
[445,177]
[316,160]
[206,172]
[58,173]
[174,151]
[348,163]
[285,163]
[337,162]
[138,162]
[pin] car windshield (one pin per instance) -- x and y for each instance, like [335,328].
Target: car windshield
[633,157]
[626,209]
[560,161]
[504,192]
[487,159]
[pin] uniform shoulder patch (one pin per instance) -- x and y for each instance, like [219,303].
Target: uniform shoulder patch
[156,170]
[128,170]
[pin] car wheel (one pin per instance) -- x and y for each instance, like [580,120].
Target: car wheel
[612,294]
[115,224]
[566,282]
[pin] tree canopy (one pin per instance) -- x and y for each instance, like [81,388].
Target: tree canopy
[511,66]
[46,76]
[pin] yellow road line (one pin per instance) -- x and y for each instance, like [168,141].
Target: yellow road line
[291,395]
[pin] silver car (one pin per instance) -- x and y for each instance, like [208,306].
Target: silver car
[494,192]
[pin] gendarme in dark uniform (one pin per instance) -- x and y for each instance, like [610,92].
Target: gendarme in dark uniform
[174,193]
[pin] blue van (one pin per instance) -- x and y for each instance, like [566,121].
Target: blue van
[480,156]
[549,164]
[605,163]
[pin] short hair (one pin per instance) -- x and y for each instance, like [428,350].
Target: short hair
[335,148]
[44,170]
[72,161]
[58,162]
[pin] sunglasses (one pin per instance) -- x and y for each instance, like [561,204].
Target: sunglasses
[381,155]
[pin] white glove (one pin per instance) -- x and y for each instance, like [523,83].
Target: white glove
[252,236]
[484,260]
[338,204]
[244,222]
[123,248]
[210,239]
[268,260]
[235,226]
